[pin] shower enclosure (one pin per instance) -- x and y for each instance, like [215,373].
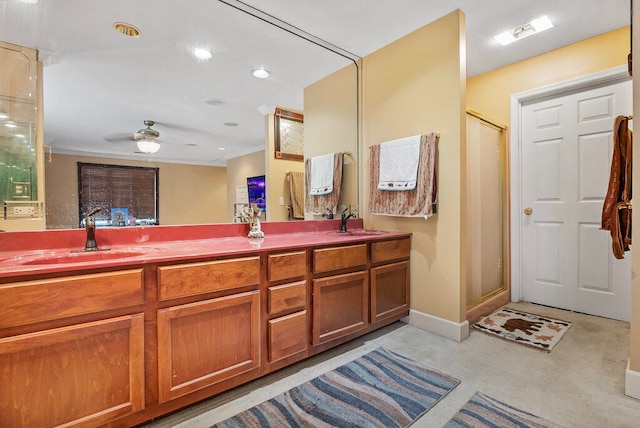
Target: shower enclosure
[486,220]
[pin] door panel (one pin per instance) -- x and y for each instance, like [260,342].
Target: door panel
[566,156]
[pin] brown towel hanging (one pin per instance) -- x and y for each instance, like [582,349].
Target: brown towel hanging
[616,210]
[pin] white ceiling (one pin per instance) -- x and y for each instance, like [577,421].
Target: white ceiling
[99,86]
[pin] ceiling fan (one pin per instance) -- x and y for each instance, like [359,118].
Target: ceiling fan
[146,138]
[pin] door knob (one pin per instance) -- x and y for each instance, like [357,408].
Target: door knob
[528,211]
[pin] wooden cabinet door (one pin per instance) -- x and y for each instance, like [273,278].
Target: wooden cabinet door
[340,306]
[202,343]
[389,291]
[81,375]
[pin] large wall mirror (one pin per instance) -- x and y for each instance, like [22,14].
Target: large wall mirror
[102,81]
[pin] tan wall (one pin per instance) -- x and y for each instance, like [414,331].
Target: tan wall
[276,173]
[238,169]
[331,125]
[489,93]
[188,194]
[412,86]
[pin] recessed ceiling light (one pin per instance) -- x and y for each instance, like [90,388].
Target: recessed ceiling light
[203,54]
[230,124]
[260,73]
[536,26]
[126,29]
[222,148]
[215,101]
[29,1]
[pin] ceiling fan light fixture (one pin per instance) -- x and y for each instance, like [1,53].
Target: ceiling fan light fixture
[260,73]
[148,146]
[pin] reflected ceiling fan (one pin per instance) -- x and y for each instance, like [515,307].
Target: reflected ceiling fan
[146,138]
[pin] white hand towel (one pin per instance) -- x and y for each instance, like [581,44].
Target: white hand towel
[322,174]
[399,163]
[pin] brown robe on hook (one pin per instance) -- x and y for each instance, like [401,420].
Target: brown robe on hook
[616,211]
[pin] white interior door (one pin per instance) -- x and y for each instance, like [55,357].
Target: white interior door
[567,144]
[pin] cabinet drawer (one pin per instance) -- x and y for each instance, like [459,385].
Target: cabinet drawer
[287,266]
[328,259]
[47,299]
[390,250]
[287,297]
[198,278]
[287,335]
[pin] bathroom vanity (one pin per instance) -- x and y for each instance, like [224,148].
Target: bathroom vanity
[171,315]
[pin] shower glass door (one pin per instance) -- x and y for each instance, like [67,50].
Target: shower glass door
[486,210]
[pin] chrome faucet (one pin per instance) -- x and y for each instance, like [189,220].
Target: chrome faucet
[344,217]
[90,225]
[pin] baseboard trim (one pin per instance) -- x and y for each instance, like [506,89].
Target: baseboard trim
[440,326]
[632,383]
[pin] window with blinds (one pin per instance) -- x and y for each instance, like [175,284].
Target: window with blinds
[127,195]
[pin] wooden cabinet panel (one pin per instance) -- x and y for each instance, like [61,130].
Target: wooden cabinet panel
[82,375]
[328,259]
[198,278]
[390,250]
[202,343]
[340,306]
[287,266]
[30,302]
[287,297]
[389,291]
[287,335]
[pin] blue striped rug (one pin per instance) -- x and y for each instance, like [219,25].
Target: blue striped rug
[482,411]
[379,389]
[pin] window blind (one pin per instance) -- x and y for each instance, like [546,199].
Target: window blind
[129,189]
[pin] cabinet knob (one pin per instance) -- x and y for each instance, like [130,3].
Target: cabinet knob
[528,211]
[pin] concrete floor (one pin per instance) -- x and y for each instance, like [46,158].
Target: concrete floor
[580,383]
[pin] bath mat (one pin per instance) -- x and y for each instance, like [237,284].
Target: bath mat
[521,327]
[379,389]
[483,411]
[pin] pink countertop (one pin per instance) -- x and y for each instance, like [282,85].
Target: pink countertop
[29,253]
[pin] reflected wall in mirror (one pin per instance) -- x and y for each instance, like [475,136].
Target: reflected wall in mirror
[214,117]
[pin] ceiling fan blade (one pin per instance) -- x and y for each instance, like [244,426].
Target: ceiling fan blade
[176,126]
[118,138]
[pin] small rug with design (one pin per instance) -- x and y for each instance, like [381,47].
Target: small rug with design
[527,329]
[482,411]
[379,389]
